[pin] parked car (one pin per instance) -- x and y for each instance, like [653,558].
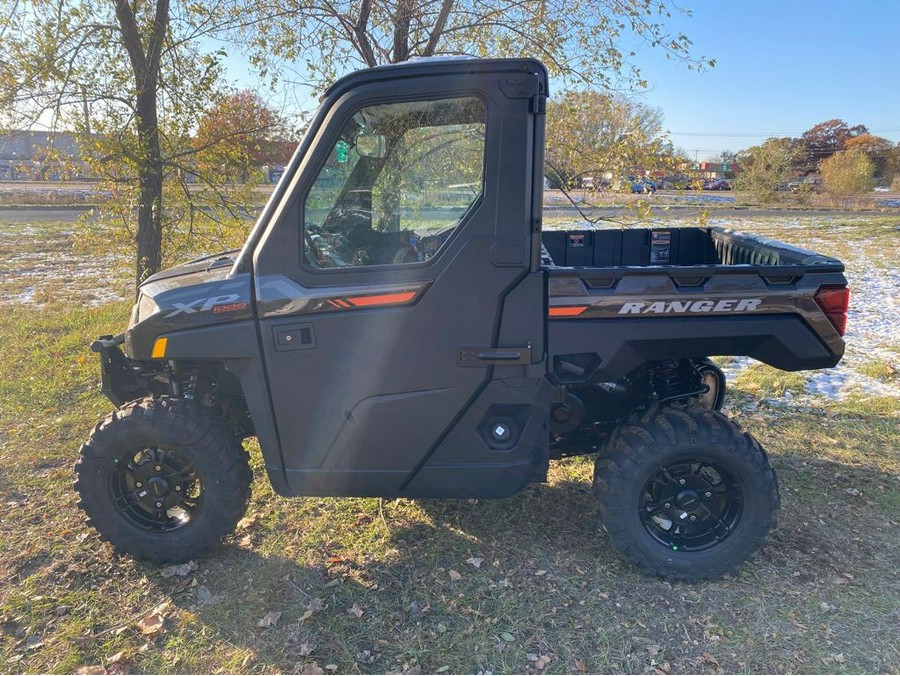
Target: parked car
[716,184]
[643,185]
[678,182]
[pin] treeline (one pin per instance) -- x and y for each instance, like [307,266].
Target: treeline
[831,156]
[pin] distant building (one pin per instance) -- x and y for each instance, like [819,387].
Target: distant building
[40,156]
[719,169]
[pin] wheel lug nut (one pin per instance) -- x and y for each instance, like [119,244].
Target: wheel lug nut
[708,494]
[139,484]
[177,489]
[668,505]
[158,505]
[158,468]
[681,481]
[693,518]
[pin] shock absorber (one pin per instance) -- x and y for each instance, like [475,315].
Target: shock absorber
[172,374]
[190,387]
[677,379]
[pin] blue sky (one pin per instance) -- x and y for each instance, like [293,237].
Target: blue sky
[781,68]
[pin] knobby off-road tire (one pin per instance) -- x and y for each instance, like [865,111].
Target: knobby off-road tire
[672,471]
[162,480]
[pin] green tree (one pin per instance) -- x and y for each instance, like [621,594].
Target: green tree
[581,40]
[130,79]
[881,151]
[764,168]
[590,133]
[849,172]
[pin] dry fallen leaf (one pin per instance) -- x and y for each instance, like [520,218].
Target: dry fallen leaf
[180,570]
[475,561]
[152,622]
[120,656]
[581,666]
[118,664]
[454,576]
[356,611]
[540,572]
[542,662]
[246,522]
[270,619]
[310,669]
[33,642]
[654,650]
[205,597]
[94,669]
[366,656]
[709,659]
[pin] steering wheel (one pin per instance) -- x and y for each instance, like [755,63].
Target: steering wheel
[324,249]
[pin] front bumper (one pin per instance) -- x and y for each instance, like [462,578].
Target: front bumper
[119,377]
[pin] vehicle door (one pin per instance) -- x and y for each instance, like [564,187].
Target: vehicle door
[382,280]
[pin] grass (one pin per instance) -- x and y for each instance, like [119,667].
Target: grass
[881,369]
[525,585]
[760,381]
[822,596]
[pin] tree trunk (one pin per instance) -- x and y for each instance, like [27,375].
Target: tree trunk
[402,19]
[145,67]
[148,239]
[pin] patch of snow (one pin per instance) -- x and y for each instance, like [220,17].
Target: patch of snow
[27,296]
[696,198]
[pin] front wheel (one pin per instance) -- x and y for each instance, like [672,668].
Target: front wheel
[684,493]
[162,480]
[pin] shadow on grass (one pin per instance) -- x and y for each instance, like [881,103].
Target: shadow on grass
[380,586]
[488,585]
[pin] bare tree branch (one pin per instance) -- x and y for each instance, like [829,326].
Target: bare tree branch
[438,29]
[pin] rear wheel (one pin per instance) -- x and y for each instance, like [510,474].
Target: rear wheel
[162,480]
[684,493]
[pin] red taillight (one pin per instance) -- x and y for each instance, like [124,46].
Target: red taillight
[835,301]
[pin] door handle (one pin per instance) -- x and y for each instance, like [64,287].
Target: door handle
[488,356]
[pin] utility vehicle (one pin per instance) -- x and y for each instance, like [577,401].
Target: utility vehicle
[398,325]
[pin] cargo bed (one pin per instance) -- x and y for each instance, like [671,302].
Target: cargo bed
[636,295]
[710,247]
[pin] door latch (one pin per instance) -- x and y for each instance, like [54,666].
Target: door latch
[492,356]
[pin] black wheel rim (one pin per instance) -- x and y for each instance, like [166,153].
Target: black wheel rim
[155,489]
[691,504]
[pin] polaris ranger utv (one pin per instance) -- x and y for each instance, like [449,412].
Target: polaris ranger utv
[398,325]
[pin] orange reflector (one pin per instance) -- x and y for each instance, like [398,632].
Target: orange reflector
[568,311]
[385,299]
[159,348]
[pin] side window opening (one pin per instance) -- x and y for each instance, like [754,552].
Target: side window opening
[396,185]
